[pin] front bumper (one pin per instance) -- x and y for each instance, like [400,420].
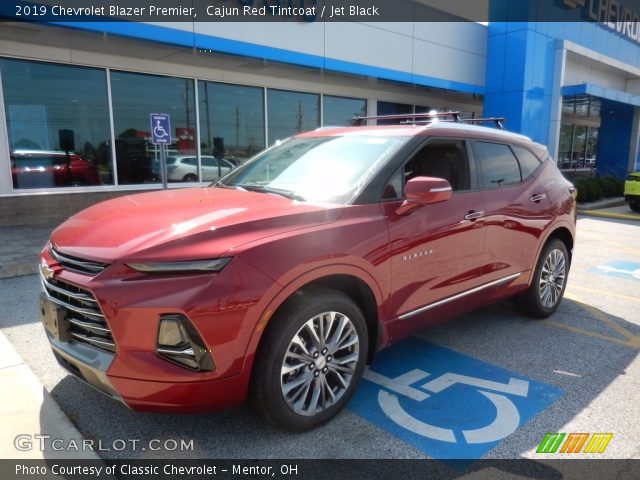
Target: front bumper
[224,315]
[91,365]
[86,363]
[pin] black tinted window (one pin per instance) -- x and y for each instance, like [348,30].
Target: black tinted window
[497,164]
[528,161]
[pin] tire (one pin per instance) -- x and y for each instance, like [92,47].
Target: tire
[190,177]
[545,292]
[635,206]
[321,378]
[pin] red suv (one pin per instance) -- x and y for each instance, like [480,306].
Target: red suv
[282,280]
[39,169]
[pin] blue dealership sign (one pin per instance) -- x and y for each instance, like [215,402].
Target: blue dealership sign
[445,404]
[160,128]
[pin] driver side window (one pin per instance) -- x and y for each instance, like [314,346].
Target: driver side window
[439,158]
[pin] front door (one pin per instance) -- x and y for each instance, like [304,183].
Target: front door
[436,250]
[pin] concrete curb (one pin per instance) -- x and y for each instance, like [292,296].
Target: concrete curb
[613,215]
[605,203]
[18,270]
[27,409]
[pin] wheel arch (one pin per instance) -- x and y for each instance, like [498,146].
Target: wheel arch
[560,231]
[563,234]
[358,290]
[358,284]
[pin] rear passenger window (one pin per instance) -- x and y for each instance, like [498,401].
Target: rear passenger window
[497,165]
[528,161]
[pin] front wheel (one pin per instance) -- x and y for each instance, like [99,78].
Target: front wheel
[310,359]
[549,282]
[190,177]
[635,206]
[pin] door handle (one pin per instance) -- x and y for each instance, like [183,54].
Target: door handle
[537,198]
[473,215]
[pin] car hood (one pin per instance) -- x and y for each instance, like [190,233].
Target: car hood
[184,224]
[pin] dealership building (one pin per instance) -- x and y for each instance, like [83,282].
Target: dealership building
[76,98]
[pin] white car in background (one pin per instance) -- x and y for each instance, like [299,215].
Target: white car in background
[185,168]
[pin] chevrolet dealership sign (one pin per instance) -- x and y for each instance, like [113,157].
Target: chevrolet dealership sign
[612,14]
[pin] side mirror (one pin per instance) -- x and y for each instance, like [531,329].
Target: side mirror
[424,191]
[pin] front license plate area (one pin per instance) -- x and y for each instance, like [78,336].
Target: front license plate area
[54,319]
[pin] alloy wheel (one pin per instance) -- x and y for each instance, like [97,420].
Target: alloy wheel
[552,278]
[319,363]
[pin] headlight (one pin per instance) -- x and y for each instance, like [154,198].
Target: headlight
[213,265]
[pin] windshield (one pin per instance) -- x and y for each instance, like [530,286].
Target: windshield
[322,169]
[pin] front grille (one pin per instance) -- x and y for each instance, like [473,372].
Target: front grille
[86,321]
[78,265]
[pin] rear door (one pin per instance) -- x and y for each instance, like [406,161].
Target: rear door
[436,250]
[516,207]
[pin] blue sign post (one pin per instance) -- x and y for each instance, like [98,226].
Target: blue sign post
[161,135]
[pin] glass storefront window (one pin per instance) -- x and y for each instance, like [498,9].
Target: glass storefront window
[592,146]
[339,111]
[564,148]
[291,113]
[579,146]
[58,124]
[135,96]
[231,121]
[389,108]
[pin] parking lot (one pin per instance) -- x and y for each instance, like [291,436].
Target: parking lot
[490,384]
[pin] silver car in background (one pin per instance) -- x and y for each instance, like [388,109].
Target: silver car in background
[185,168]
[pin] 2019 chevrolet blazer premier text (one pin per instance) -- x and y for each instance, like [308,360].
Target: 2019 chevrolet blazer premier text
[281,281]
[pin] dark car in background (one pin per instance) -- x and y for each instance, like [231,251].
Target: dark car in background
[42,168]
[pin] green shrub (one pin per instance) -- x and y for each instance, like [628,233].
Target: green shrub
[611,186]
[593,189]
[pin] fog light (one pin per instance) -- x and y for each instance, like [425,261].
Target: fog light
[179,343]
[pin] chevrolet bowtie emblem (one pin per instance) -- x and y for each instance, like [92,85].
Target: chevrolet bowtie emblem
[46,271]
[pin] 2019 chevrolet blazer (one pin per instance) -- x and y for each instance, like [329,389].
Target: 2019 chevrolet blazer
[282,280]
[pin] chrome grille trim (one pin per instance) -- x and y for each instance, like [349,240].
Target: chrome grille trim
[87,323]
[78,265]
[96,341]
[81,297]
[83,311]
[90,326]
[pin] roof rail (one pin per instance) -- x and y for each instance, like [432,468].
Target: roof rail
[426,118]
[499,121]
[358,121]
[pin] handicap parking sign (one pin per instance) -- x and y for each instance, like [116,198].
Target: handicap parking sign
[160,128]
[448,405]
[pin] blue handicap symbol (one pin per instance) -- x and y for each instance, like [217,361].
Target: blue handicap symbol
[620,269]
[445,404]
[160,128]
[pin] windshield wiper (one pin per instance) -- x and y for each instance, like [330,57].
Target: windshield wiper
[265,189]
